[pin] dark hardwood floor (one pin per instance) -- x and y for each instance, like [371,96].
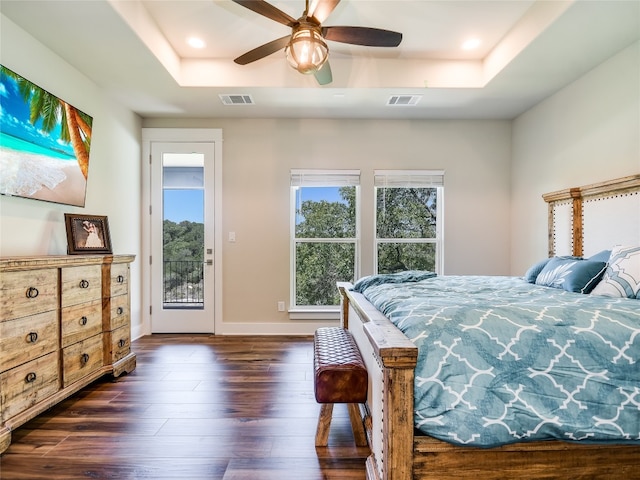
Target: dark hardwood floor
[196,407]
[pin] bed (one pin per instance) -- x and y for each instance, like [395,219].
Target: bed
[409,441]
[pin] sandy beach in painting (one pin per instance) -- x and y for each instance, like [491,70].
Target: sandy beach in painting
[41,177]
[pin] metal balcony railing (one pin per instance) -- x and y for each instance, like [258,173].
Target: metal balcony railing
[183,284]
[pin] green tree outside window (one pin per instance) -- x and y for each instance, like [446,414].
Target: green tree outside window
[325,243]
[406,221]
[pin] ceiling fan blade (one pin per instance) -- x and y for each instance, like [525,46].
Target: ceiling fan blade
[324,76]
[370,37]
[268,10]
[321,9]
[263,51]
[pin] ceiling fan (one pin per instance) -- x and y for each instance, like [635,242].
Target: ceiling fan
[305,47]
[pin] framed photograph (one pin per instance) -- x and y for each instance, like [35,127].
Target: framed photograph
[87,234]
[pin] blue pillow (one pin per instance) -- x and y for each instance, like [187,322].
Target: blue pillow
[571,274]
[534,270]
[602,256]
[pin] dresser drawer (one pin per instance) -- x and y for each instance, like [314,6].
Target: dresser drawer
[119,279]
[81,284]
[119,312]
[27,292]
[81,321]
[119,341]
[81,359]
[26,338]
[28,384]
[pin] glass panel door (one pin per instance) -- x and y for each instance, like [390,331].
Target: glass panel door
[182,238]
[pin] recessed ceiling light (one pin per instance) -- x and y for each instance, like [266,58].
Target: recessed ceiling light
[196,42]
[471,44]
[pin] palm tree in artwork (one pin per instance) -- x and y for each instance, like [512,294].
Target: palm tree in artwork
[75,125]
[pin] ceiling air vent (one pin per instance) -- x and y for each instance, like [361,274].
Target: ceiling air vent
[236,99]
[403,100]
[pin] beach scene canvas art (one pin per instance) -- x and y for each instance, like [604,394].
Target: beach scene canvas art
[44,143]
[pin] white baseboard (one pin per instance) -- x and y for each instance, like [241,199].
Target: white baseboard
[290,328]
[306,327]
[136,332]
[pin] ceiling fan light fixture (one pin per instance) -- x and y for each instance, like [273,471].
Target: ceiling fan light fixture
[307,51]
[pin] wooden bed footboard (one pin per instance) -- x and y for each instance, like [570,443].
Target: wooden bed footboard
[390,359]
[398,453]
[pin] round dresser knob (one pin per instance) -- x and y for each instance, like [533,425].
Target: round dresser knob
[32,292]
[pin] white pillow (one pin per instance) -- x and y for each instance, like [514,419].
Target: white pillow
[622,277]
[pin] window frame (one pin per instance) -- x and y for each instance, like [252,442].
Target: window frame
[320,178]
[411,179]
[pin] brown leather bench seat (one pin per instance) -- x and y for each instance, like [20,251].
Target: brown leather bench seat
[340,376]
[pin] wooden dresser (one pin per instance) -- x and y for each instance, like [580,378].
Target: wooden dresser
[64,322]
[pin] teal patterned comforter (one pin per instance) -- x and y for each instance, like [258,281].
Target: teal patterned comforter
[501,360]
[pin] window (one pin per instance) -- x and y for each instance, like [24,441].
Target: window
[183,229]
[408,220]
[324,234]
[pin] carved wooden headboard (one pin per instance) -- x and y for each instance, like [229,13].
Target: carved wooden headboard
[585,220]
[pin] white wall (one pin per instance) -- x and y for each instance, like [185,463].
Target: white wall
[257,158]
[32,227]
[586,133]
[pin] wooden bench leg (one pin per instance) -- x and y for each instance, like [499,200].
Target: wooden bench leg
[324,423]
[356,425]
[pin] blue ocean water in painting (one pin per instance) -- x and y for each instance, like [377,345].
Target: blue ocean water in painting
[14,143]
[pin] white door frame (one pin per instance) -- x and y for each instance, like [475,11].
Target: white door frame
[168,135]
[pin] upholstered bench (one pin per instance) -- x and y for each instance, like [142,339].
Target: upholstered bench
[340,376]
